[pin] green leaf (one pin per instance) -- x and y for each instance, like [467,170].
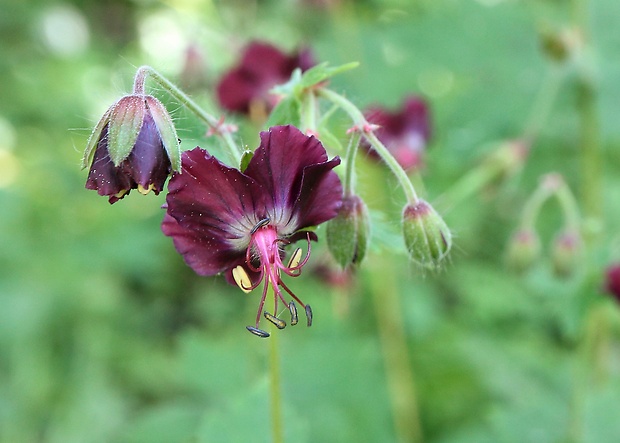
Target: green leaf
[322,72]
[286,112]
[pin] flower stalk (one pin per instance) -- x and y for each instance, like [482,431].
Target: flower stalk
[212,122]
[360,122]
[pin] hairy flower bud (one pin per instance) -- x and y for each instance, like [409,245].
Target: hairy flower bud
[427,237]
[523,250]
[565,252]
[134,146]
[348,232]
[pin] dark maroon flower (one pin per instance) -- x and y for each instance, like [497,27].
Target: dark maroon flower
[262,66]
[404,133]
[134,146]
[223,220]
[612,283]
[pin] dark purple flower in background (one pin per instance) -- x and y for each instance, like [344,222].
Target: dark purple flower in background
[404,132]
[245,88]
[612,281]
[134,146]
[223,220]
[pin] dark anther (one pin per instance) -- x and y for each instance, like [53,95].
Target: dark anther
[258,332]
[309,314]
[293,308]
[280,324]
[260,224]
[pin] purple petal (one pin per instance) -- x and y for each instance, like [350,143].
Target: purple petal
[218,204]
[148,162]
[203,254]
[278,165]
[103,176]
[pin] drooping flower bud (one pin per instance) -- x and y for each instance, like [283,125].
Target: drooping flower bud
[565,252]
[134,146]
[348,233]
[523,250]
[427,237]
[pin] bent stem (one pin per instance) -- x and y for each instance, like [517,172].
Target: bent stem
[214,123]
[362,124]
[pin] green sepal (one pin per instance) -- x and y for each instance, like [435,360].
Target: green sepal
[427,237]
[322,72]
[286,112]
[125,123]
[300,82]
[89,152]
[167,131]
[348,234]
[245,160]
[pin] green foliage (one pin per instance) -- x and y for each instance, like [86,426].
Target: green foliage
[106,335]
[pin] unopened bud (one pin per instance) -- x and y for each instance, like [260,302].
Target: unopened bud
[565,252]
[427,237]
[523,250]
[348,233]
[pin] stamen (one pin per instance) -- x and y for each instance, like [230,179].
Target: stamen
[260,224]
[258,332]
[121,193]
[309,315]
[242,279]
[280,324]
[295,259]
[142,190]
[293,308]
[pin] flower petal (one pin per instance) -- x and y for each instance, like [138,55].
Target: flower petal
[217,203]
[201,253]
[148,163]
[278,165]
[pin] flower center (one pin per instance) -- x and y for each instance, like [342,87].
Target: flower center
[266,249]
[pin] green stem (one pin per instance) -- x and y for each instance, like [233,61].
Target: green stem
[277,428]
[543,103]
[349,174]
[396,359]
[216,124]
[466,186]
[309,112]
[569,206]
[361,123]
[533,205]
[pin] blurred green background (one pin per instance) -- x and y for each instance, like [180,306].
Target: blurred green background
[106,335]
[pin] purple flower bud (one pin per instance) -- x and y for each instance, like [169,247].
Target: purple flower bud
[523,250]
[134,146]
[427,237]
[348,233]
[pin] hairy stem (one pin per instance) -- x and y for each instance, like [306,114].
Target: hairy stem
[234,151]
[362,124]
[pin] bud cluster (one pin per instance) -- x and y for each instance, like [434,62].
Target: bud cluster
[524,248]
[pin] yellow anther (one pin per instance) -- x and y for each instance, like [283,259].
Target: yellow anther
[242,279]
[121,193]
[295,259]
[142,190]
